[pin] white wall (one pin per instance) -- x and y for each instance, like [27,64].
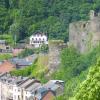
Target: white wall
[17,93]
[38,40]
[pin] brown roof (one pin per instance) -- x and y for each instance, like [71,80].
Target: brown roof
[6,66]
[50,95]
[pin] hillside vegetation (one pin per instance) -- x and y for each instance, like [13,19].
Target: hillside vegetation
[73,69]
[21,18]
[90,88]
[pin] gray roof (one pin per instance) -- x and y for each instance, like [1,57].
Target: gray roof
[2,41]
[54,84]
[41,92]
[31,58]
[19,62]
[7,78]
[33,87]
[26,83]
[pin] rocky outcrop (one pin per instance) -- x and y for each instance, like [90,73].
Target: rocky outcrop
[55,46]
[85,35]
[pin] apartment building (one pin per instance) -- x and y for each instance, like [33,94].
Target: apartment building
[25,88]
[9,89]
[4,48]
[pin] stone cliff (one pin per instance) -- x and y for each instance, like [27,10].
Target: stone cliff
[55,47]
[85,35]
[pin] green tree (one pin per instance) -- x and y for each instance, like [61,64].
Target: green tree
[90,88]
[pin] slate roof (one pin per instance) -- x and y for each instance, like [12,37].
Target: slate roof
[33,87]
[42,91]
[25,84]
[12,80]
[54,84]
[21,62]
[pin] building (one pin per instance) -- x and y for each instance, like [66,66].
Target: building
[20,62]
[55,85]
[38,39]
[4,48]
[9,89]
[25,88]
[43,93]
[29,87]
[85,35]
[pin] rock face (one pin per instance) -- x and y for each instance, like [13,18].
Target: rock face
[85,35]
[55,46]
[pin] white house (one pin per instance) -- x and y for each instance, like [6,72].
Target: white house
[38,39]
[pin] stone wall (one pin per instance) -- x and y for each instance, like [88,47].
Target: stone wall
[85,35]
[55,46]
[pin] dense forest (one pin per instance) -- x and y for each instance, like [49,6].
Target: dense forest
[21,18]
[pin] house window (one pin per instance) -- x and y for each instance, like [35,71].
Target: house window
[18,98]
[40,39]
[7,47]
[14,97]
[84,25]
[26,98]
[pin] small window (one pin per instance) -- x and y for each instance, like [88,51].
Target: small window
[84,25]
[83,40]
[40,39]
[14,97]
[7,47]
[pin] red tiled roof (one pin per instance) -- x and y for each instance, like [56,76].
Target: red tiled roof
[6,66]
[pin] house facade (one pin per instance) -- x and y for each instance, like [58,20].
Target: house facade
[4,48]
[38,40]
[25,88]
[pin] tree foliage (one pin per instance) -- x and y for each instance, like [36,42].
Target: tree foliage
[24,17]
[74,68]
[90,88]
